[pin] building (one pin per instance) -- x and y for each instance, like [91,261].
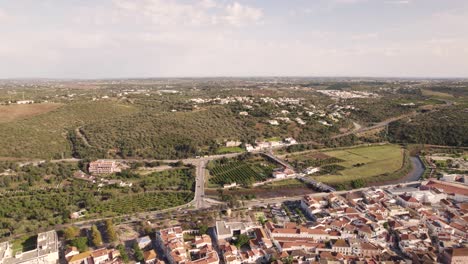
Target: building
[233,143]
[456,256]
[150,256]
[144,242]
[283,173]
[225,231]
[311,170]
[46,251]
[25,102]
[105,167]
[98,256]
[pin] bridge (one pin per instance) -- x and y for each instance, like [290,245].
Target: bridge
[277,160]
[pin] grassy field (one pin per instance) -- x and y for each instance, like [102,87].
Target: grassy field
[224,150]
[436,94]
[14,112]
[373,160]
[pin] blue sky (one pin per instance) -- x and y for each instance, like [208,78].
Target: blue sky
[163,38]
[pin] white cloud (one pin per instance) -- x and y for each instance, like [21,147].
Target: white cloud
[208,3]
[199,13]
[398,2]
[365,36]
[3,15]
[239,15]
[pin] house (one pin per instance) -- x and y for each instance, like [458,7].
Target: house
[455,256]
[150,256]
[283,173]
[342,246]
[407,201]
[233,143]
[144,242]
[273,122]
[290,141]
[82,258]
[230,253]
[25,102]
[71,251]
[100,256]
[230,185]
[311,170]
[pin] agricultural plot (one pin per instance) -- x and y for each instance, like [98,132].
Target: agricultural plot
[14,112]
[314,159]
[362,163]
[239,172]
[144,202]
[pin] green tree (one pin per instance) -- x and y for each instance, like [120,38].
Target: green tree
[359,183]
[71,232]
[138,253]
[203,229]
[81,243]
[241,240]
[96,236]
[123,253]
[111,234]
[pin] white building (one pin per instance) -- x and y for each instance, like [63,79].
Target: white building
[46,251]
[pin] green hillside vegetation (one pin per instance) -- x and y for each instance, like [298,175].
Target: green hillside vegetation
[161,135]
[447,126]
[45,136]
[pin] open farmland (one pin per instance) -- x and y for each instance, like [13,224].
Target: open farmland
[311,159]
[14,112]
[144,202]
[363,163]
[241,171]
[238,172]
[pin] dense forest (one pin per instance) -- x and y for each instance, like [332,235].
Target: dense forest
[447,126]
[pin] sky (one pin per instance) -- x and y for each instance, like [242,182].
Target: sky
[200,38]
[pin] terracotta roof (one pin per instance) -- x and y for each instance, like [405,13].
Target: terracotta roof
[341,243]
[99,252]
[80,256]
[460,252]
[448,187]
[149,255]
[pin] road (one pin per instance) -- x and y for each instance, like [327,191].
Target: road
[264,202]
[200,185]
[199,200]
[376,126]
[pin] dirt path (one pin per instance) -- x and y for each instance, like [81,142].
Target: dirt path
[82,137]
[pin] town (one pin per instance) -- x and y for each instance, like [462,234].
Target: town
[422,222]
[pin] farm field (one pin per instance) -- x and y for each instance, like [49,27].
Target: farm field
[436,94]
[243,172]
[364,162]
[239,172]
[311,159]
[224,150]
[144,202]
[14,112]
